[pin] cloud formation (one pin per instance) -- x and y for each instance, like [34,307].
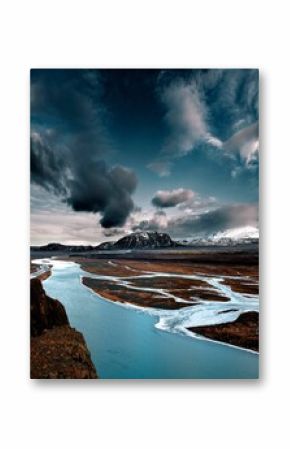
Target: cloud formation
[46,167]
[90,126]
[162,168]
[245,143]
[202,224]
[213,108]
[216,220]
[157,222]
[67,158]
[171,198]
[185,117]
[106,190]
[89,187]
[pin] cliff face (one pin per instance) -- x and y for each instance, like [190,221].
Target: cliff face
[57,350]
[45,313]
[61,353]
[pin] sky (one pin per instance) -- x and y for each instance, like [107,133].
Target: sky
[121,151]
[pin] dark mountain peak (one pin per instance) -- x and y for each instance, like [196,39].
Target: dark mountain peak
[148,240]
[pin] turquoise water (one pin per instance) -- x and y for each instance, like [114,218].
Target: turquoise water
[124,344]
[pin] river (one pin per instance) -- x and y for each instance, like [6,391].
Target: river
[125,343]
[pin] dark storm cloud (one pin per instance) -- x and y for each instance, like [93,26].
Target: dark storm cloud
[69,144]
[89,187]
[46,166]
[171,198]
[101,189]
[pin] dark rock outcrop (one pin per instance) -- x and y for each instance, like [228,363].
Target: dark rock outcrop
[145,240]
[57,350]
[45,312]
[243,332]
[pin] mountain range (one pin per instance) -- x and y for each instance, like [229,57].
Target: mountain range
[136,240]
[158,240]
[230,237]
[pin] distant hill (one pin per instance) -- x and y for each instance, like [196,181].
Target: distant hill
[60,247]
[105,246]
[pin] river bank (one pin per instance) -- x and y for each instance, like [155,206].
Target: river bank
[129,342]
[172,286]
[57,351]
[243,332]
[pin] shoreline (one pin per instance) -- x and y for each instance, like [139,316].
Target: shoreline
[219,342]
[57,350]
[238,285]
[243,332]
[42,273]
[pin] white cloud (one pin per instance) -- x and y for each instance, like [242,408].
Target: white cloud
[213,141]
[162,168]
[186,120]
[245,143]
[171,198]
[185,117]
[193,114]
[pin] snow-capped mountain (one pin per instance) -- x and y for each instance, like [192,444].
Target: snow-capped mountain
[244,233]
[235,236]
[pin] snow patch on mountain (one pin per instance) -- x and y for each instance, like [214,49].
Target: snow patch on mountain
[245,232]
[233,236]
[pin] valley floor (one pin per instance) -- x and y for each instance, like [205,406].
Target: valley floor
[219,294]
[179,284]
